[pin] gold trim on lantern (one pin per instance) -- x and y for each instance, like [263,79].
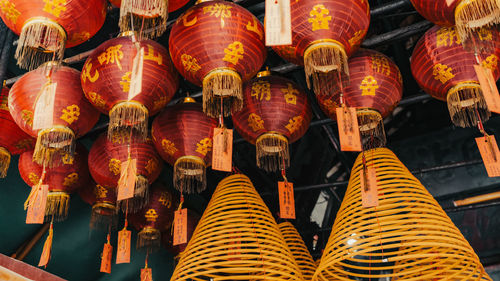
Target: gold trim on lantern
[128,116]
[31,52]
[463,100]
[57,205]
[148,238]
[128,33]
[103,215]
[52,144]
[222,83]
[4,161]
[371,128]
[324,61]
[472,15]
[188,100]
[190,174]
[148,16]
[272,152]
[264,73]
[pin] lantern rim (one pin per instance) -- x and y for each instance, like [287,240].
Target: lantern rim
[271,133]
[127,33]
[48,21]
[323,42]
[190,157]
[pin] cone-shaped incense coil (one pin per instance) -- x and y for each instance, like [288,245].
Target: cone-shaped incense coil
[299,250]
[407,237]
[237,239]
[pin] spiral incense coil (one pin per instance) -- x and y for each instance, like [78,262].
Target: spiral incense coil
[407,236]
[237,238]
[299,250]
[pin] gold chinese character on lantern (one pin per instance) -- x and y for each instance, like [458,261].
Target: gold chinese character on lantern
[100,192]
[219,11]
[255,122]
[234,52]
[80,36]
[380,64]
[34,179]
[185,20]
[4,104]
[70,179]
[356,39]
[68,159]
[114,166]
[442,73]
[86,73]
[190,64]
[150,55]
[330,106]
[152,166]
[490,62]
[54,7]
[160,103]
[485,34]
[254,27]
[9,10]
[71,113]
[27,117]
[290,94]
[447,36]
[294,124]
[151,215]
[261,90]
[96,99]
[319,18]
[112,54]
[368,86]
[165,199]
[125,82]
[168,147]
[204,146]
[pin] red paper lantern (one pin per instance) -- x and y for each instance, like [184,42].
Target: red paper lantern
[375,89]
[46,28]
[157,216]
[276,113]
[445,71]
[324,34]
[103,202]
[62,180]
[168,239]
[182,135]
[105,161]
[12,139]
[106,80]
[469,16]
[229,50]
[72,115]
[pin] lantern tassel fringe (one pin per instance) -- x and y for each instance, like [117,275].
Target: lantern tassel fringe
[471,16]
[52,145]
[126,116]
[325,62]
[190,174]
[222,84]
[371,128]
[4,162]
[57,205]
[141,196]
[148,16]
[463,100]
[272,152]
[149,238]
[103,216]
[41,40]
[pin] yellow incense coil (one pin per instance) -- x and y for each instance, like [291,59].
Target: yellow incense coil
[237,239]
[299,250]
[407,236]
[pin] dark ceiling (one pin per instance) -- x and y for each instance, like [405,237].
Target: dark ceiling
[419,131]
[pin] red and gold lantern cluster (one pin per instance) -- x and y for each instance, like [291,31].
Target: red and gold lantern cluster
[324,34]
[446,71]
[62,180]
[103,202]
[12,139]
[105,162]
[469,16]
[46,28]
[276,113]
[375,89]
[156,217]
[229,50]
[107,81]
[182,135]
[48,103]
